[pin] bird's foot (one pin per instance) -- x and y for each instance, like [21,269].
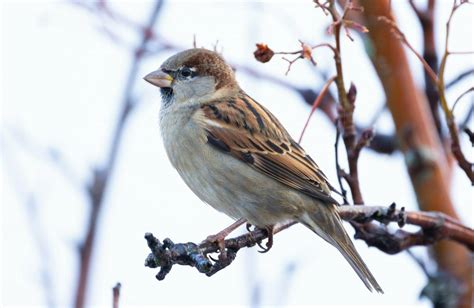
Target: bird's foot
[269,243]
[219,238]
[269,231]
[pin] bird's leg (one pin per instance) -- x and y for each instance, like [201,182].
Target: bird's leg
[269,244]
[219,238]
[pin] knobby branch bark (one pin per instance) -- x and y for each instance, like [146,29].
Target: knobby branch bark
[434,227]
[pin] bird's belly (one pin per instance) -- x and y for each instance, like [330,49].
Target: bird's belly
[232,186]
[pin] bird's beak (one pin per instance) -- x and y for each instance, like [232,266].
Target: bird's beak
[159,78]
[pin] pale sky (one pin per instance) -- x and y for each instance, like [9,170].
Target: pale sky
[62,81]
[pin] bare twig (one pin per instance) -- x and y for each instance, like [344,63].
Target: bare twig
[264,54]
[459,78]
[471,89]
[434,227]
[470,134]
[316,103]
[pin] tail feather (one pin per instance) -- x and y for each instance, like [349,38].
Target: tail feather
[349,252]
[327,224]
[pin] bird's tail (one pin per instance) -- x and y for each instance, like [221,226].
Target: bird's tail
[326,223]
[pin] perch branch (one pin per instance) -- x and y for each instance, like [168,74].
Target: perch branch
[434,227]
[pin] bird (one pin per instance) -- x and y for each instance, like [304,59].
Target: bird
[236,156]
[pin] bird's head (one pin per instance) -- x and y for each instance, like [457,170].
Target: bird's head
[193,74]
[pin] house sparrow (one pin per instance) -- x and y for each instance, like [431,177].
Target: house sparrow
[237,157]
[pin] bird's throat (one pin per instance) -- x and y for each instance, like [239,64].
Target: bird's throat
[166,95]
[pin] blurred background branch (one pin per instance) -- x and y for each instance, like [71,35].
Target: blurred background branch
[101,174]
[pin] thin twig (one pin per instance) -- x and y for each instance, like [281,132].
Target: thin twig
[461,96]
[460,77]
[352,142]
[316,103]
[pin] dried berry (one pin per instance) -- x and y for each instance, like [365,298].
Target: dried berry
[263,53]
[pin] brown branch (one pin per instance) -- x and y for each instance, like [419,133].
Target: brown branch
[346,109]
[101,175]
[411,112]
[438,80]
[316,104]
[426,19]
[353,143]
[433,228]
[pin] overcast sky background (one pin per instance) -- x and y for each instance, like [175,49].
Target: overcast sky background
[62,82]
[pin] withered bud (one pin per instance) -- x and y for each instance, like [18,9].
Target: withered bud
[263,53]
[307,52]
[352,93]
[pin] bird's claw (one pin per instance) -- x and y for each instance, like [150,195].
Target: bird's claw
[218,239]
[269,243]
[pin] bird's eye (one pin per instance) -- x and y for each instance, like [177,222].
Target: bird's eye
[186,72]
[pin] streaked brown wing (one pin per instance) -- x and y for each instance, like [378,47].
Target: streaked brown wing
[246,130]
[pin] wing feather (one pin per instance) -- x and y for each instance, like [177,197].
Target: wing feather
[244,129]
